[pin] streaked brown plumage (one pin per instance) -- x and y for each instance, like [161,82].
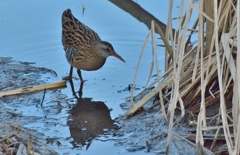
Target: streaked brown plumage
[84,48]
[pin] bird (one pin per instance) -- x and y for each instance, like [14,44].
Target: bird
[84,49]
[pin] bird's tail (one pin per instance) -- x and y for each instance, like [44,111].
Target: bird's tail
[67,16]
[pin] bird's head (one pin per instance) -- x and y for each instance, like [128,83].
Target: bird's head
[105,49]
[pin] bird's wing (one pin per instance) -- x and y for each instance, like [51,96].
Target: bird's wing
[76,34]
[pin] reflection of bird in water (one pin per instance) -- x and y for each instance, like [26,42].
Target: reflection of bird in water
[89,119]
[84,48]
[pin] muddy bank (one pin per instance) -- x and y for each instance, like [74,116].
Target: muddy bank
[15,109]
[147,132]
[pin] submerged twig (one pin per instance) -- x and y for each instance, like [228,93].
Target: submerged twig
[44,92]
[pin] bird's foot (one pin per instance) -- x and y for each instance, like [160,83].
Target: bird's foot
[83,81]
[67,78]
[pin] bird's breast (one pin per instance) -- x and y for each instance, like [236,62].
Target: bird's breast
[90,63]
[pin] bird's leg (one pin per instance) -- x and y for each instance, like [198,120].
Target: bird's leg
[70,72]
[72,88]
[80,90]
[80,76]
[69,77]
[81,85]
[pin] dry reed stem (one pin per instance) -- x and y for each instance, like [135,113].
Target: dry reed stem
[231,64]
[220,72]
[202,114]
[169,34]
[138,65]
[167,46]
[156,60]
[60,84]
[237,88]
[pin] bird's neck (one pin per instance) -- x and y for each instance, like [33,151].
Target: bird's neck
[99,48]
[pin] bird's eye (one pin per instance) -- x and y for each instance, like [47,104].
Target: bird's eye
[108,50]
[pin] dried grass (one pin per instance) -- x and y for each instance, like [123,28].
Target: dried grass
[17,141]
[201,79]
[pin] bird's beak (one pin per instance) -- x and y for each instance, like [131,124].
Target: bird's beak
[117,56]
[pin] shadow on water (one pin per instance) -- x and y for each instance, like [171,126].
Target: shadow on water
[88,119]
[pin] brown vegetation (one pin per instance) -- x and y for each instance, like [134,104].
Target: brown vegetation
[200,83]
